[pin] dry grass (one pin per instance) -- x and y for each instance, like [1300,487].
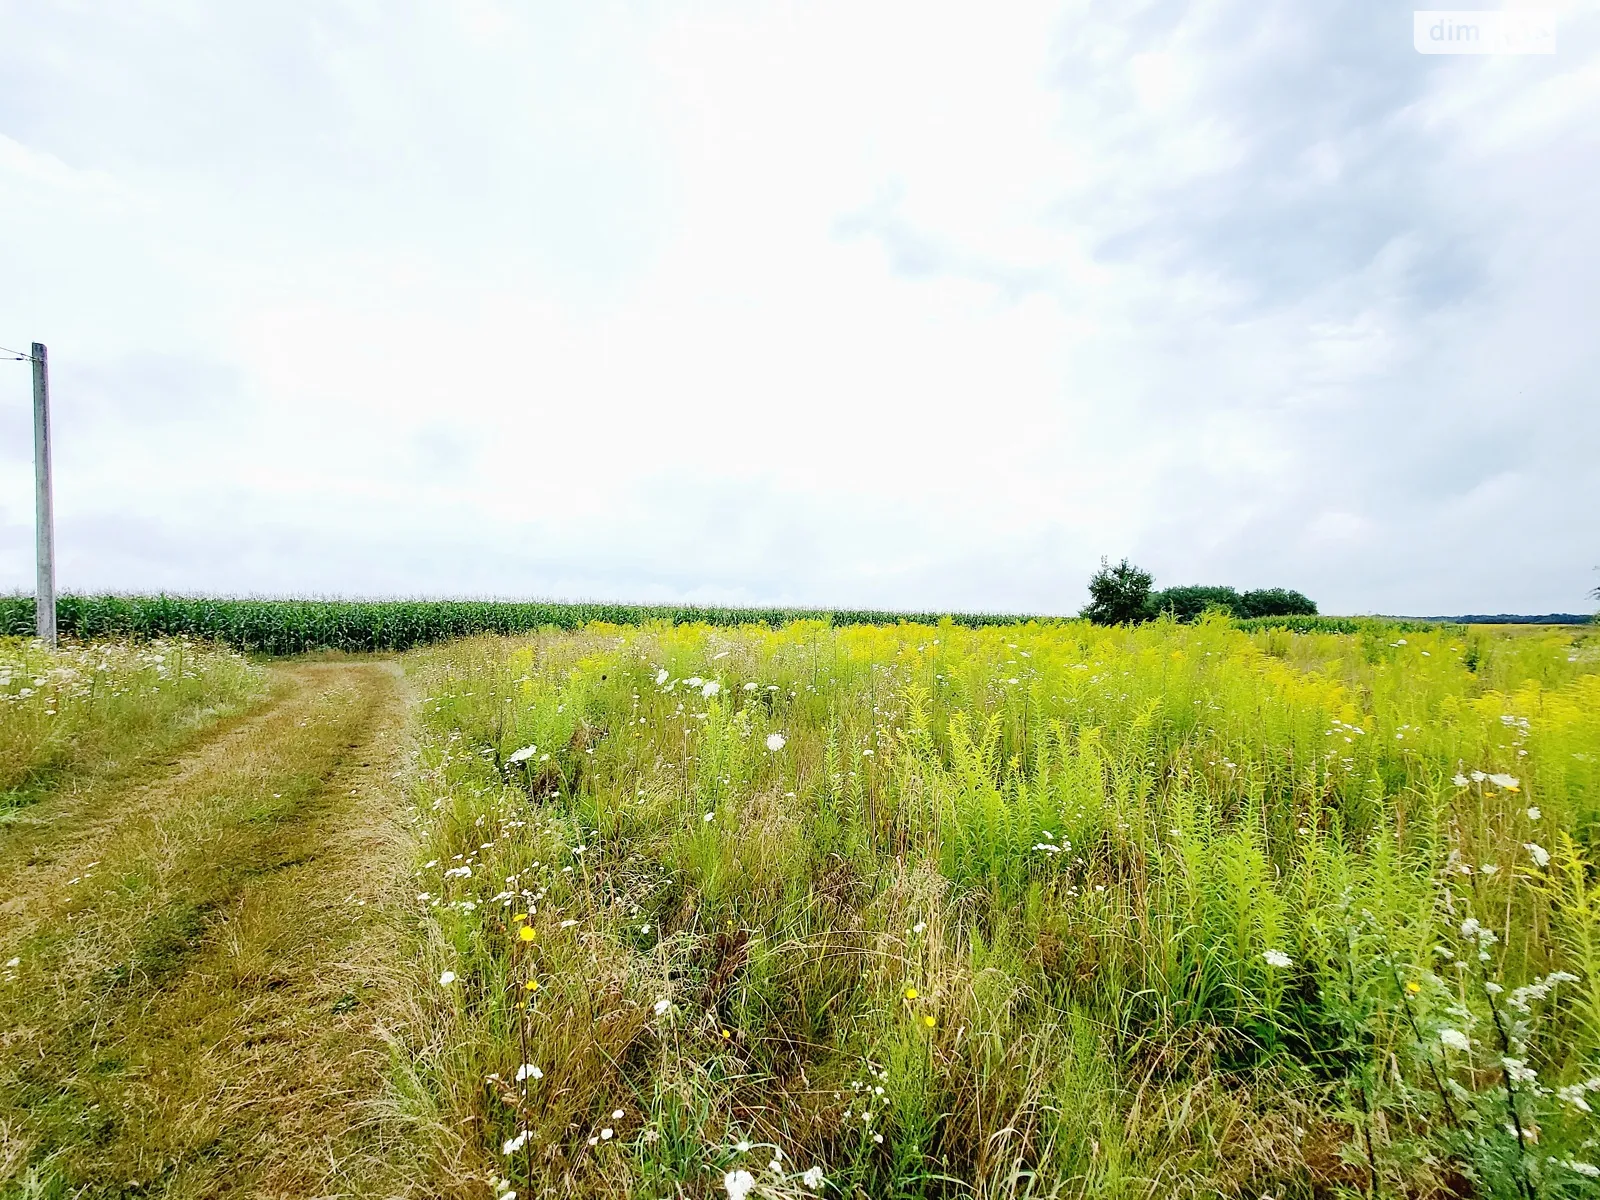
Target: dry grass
[210,962]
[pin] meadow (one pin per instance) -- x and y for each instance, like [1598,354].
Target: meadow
[661,907]
[1032,909]
[95,708]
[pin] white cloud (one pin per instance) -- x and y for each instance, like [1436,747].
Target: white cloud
[822,304]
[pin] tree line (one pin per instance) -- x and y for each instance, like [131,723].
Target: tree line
[1123,595]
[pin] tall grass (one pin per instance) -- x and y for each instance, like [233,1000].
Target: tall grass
[1031,909]
[90,708]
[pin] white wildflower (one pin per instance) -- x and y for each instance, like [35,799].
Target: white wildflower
[739,1184]
[13,962]
[514,1144]
[711,688]
[1277,958]
[1540,856]
[661,676]
[662,1006]
[1455,1039]
[776,742]
[1534,814]
[1460,780]
[524,754]
[528,1071]
[812,1178]
[1573,1094]
[446,978]
[1518,1071]
[1509,782]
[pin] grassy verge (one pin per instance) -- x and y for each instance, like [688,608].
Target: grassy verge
[198,979]
[931,911]
[92,710]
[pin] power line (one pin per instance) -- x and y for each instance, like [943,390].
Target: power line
[19,358]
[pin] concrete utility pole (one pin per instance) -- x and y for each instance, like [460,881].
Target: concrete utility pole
[45,595]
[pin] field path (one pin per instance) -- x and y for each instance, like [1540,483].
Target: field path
[210,955]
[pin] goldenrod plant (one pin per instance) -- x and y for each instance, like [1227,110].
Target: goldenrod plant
[1030,909]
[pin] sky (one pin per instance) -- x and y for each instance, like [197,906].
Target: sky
[916,306]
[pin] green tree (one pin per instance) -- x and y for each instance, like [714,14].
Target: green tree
[1277,602]
[1119,595]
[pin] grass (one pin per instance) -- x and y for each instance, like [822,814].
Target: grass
[201,959]
[91,710]
[1041,910]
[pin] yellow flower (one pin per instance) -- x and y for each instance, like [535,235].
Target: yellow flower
[520,917]
[726,1034]
[526,933]
[1413,986]
[911,993]
[532,985]
[929,1021]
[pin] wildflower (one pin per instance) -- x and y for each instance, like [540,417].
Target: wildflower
[607,1134]
[920,927]
[878,1138]
[929,1021]
[13,962]
[739,1184]
[911,993]
[1277,958]
[616,1115]
[1534,814]
[711,688]
[1518,1071]
[1573,1095]
[446,978]
[1455,1039]
[812,1178]
[568,923]
[1413,986]
[1540,856]
[523,755]
[508,1195]
[1587,1170]
[742,1146]
[532,985]
[526,933]
[776,742]
[1509,782]
[662,1006]
[514,1144]
[661,676]
[710,816]
[528,1071]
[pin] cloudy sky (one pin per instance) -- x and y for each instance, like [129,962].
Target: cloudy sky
[906,305]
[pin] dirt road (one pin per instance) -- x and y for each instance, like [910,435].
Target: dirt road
[210,957]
